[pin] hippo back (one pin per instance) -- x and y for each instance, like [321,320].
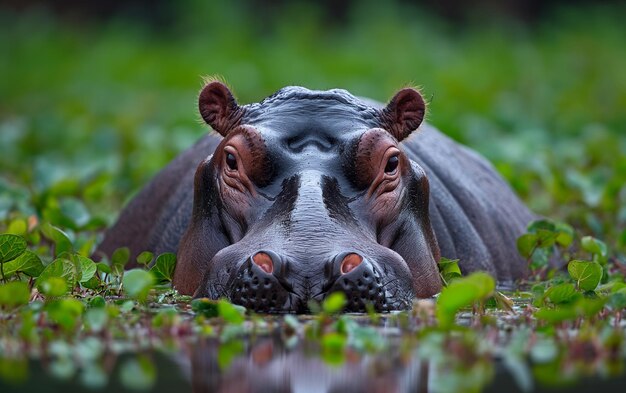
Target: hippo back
[475,215]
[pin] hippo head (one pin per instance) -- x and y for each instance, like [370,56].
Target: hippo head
[308,193]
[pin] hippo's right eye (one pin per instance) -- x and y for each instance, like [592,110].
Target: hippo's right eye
[231,161]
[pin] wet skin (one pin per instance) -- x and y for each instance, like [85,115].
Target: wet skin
[312,192]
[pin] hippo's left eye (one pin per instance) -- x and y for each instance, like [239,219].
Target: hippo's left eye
[231,161]
[392,164]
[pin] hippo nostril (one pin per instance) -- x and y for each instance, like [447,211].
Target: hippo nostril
[264,261]
[350,262]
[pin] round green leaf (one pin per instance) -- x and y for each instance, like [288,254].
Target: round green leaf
[334,303]
[594,246]
[205,307]
[119,259]
[231,313]
[449,269]
[461,293]
[65,312]
[137,283]
[103,268]
[14,294]
[145,258]
[18,227]
[87,268]
[565,235]
[61,241]
[11,247]
[120,256]
[163,269]
[53,286]
[27,263]
[586,274]
[62,268]
[562,293]
[526,244]
[556,315]
[541,224]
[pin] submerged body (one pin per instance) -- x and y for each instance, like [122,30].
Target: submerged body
[311,192]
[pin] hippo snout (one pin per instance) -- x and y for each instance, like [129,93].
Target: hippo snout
[260,284]
[268,282]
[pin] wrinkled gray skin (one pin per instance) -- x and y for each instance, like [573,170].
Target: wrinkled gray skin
[309,214]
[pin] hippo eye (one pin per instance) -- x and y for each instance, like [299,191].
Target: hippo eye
[392,164]
[231,161]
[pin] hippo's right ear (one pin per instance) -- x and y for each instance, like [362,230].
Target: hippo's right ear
[219,108]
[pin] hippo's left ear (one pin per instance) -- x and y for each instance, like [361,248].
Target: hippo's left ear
[218,107]
[404,113]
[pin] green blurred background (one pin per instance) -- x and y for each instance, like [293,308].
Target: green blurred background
[96,97]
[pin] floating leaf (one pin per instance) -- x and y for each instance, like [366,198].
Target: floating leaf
[119,259]
[230,313]
[145,258]
[103,268]
[62,268]
[65,312]
[586,274]
[596,247]
[17,227]
[334,303]
[461,293]
[97,302]
[541,224]
[87,268]
[449,269]
[164,266]
[565,234]
[11,247]
[562,293]
[137,283]
[546,238]
[526,244]
[28,263]
[590,307]
[556,315]
[205,307]
[53,286]
[14,294]
[93,283]
[60,239]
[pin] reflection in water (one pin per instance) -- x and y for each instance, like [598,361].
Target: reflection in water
[268,366]
[395,354]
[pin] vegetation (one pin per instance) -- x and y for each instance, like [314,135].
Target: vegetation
[90,112]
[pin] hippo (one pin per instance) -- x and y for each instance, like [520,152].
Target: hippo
[311,192]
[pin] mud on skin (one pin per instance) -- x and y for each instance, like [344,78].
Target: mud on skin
[311,192]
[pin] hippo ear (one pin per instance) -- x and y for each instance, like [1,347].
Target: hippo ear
[404,113]
[219,108]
